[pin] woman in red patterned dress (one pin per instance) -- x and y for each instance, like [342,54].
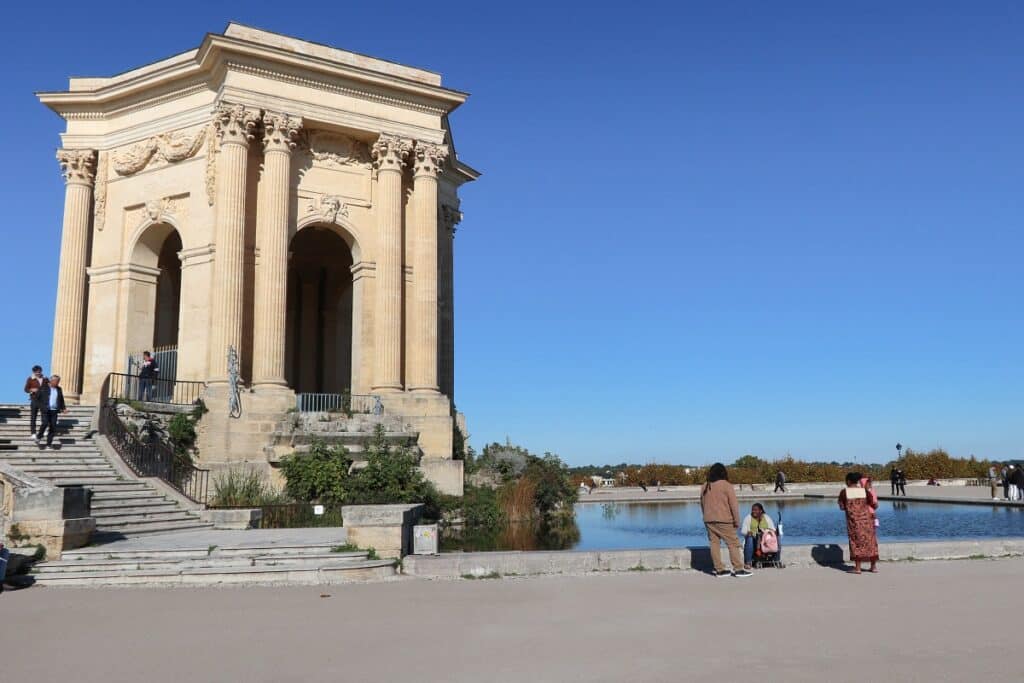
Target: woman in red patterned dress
[860,523]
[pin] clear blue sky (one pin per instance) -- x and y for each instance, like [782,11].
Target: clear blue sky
[703,229]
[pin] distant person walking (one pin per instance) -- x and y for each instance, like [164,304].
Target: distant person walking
[722,519]
[859,507]
[901,482]
[780,482]
[148,373]
[1018,482]
[52,397]
[894,479]
[32,384]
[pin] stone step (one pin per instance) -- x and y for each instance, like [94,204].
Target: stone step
[154,527]
[342,572]
[206,562]
[66,470]
[127,496]
[123,486]
[142,503]
[127,520]
[201,552]
[88,481]
[53,459]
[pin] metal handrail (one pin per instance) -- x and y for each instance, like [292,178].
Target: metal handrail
[124,387]
[369,404]
[153,458]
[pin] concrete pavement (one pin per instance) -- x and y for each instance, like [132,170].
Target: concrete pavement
[921,621]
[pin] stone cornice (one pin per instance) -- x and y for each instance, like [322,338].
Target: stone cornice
[219,53]
[121,271]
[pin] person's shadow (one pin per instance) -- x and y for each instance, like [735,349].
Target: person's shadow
[830,555]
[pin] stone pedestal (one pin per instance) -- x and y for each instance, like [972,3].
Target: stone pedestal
[385,528]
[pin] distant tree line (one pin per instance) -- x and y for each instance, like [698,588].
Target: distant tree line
[750,469]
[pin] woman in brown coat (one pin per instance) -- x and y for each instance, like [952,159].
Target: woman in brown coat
[721,519]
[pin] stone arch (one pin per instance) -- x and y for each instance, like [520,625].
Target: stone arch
[322,308]
[338,223]
[154,285]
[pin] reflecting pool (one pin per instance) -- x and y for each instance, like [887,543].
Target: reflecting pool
[631,526]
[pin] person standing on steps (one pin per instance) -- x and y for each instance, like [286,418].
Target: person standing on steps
[780,482]
[722,519]
[52,397]
[32,384]
[148,373]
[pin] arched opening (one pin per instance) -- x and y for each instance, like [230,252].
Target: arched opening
[168,293]
[154,299]
[319,320]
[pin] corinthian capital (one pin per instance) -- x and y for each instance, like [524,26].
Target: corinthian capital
[236,123]
[428,158]
[450,217]
[77,165]
[389,152]
[280,132]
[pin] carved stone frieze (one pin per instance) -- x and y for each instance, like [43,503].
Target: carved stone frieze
[166,147]
[334,151]
[211,166]
[280,132]
[77,165]
[429,158]
[99,191]
[389,152]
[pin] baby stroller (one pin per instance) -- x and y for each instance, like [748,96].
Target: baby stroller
[768,549]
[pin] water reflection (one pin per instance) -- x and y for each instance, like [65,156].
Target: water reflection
[608,526]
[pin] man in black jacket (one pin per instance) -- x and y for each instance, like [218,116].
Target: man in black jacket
[1018,481]
[51,398]
[149,371]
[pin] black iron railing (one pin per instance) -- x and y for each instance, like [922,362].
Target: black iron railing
[153,458]
[292,515]
[124,387]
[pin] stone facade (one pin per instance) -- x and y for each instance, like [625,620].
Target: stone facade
[289,200]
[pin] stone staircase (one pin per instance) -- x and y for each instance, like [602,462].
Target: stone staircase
[211,566]
[122,505]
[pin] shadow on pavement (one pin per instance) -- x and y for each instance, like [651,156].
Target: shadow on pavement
[830,555]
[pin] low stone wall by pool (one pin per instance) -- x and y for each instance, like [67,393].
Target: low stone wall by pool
[493,564]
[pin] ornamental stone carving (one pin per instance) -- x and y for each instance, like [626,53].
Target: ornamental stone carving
[450,217]
[77,165]
[328,208]
[157,211]
[333,151]
[168,147]
[99,192]
[428,158]
[211,165]
[236,123]
[389,152]
[280,132]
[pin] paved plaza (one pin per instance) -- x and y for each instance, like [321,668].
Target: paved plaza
[922,621]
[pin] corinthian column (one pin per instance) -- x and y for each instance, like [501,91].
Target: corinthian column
[279,133]
[389,155]
[449,218]
[427,161]
[236,126]
[78,167]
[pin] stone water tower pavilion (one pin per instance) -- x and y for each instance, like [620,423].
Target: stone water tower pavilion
[293,202]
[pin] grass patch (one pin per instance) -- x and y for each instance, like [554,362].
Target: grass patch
[474,577]
[346,548]
[638,568]
[210,549]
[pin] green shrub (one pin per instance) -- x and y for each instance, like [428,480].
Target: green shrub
[318,476]
[244,487]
